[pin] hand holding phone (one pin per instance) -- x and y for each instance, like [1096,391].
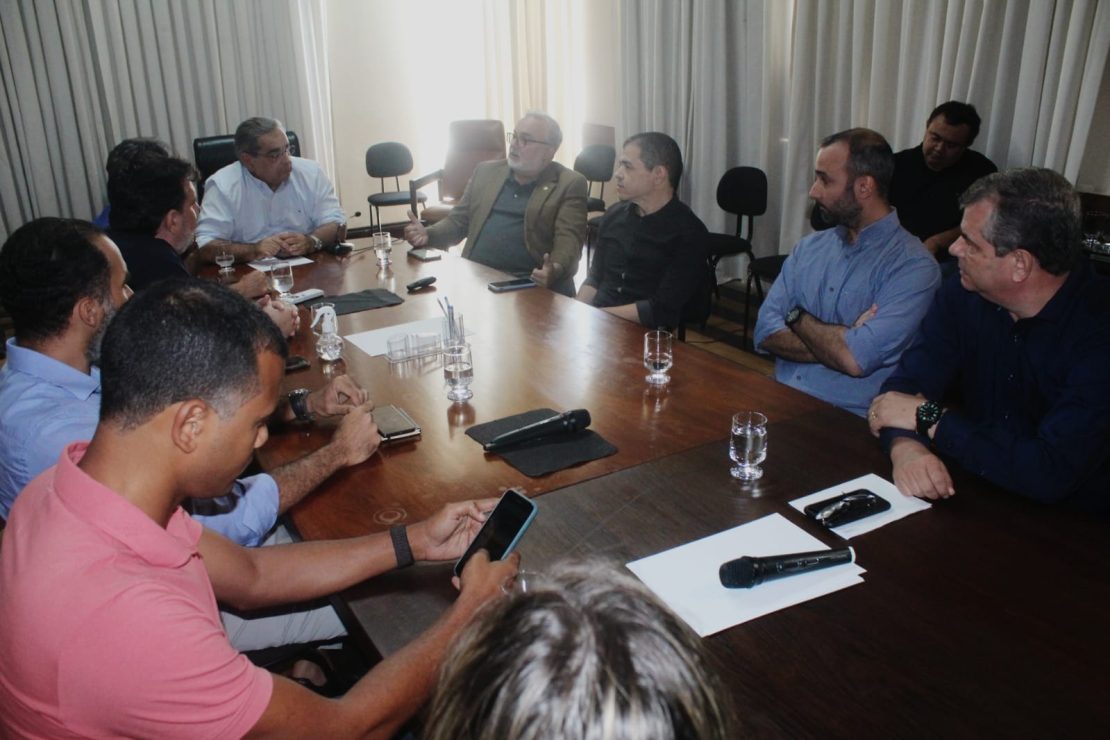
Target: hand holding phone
[503,529]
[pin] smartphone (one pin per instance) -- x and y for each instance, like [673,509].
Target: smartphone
[426,255]
[295,363]
[847,507]
[503,528]
[504,286]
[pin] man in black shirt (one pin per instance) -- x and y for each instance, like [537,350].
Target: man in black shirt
[930,178]
[650,265]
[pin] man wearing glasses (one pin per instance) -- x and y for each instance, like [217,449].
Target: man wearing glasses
[269,203]
[525,215]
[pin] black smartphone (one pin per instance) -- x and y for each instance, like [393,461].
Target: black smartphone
[503,529]
[294,363]
[847,507]
[426,255]
[504,286]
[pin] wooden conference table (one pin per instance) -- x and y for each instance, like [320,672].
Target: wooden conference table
[985,616]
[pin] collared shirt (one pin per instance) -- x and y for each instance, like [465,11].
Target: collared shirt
[836,281]
[45,405]
[500,243]
[655,261]
[148,258]
[239,207]
[1033,414]
[928,202]
[110,625]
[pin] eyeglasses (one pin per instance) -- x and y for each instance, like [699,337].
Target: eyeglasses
[525,139]
[275,154]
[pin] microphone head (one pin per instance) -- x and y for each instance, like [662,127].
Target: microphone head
[740,573]
[577,419]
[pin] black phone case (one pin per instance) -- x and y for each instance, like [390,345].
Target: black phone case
[864,505]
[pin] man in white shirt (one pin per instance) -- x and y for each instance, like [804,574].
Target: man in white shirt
[269,203]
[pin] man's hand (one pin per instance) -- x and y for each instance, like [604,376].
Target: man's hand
[918,472]
[866,316]
[415,233]
[446,534]
[483,580]
[548,274]
[340,395]
[271,246]
[356,438]
[252,285]
[895,410]
[293,243]
[286,316]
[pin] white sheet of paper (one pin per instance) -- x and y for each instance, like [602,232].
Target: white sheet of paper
[376,341]
[687,579]
[900,505]
[264,265]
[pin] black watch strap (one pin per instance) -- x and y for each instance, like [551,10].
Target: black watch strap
[794,316]
[298,401]
[401,549]
[928,414]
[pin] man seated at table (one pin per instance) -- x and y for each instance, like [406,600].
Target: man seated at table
[269,203]
[154,219]
[62,281]
[1021,336]
[525,215]
[110,588]
[848,300]
[649,265]
[120,158]
[608,658]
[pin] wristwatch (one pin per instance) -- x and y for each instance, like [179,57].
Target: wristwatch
[928,414]
[794,316]
[317,243]
[298,401]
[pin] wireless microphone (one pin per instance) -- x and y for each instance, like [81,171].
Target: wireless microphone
[747,571]
[564,423]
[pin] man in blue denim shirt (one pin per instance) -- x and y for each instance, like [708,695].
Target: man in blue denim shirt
[1021,335]
[849,299]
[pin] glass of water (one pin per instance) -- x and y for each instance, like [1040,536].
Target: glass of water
[458,371]
[225,260]
[748,445]
[658,357]
[281,276]
[383,247]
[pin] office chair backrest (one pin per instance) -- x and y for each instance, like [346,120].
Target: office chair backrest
[212,153]
[469,142]
[388,159]
[743,191]
[595,163]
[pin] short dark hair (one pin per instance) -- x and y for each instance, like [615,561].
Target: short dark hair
[868,154]
[659,149]
[588,651]
[182,339]
[46,266]
[126,151]
[958,114]
[142,194]
[251,130]
[1034,209]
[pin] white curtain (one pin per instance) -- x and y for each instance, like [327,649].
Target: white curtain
[79,76]
[761,82]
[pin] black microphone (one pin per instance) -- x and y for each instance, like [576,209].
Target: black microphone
[564,423]
[747,571]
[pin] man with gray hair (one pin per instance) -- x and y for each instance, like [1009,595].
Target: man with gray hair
[269,203]
[1008,376]
[848,300]
[525,215]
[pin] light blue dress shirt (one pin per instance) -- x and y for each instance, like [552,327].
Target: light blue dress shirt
[836,282]
[241,208]
[45,405]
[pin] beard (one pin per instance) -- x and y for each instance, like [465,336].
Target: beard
[845,211]
[92,353]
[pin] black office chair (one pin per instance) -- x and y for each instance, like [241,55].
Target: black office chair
[595,163]
[389,159]
[213,153]
[742,191]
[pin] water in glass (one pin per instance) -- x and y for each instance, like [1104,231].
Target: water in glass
[458,371]
[658,356]
[282,278]
[225,261]
[748,444]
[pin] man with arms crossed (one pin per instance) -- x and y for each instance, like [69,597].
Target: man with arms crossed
[650,263]
[849,299]
[110,588]
[269,203]
[1021,335]
[525,215]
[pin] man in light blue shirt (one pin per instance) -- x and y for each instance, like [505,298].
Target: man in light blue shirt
[269,203]
[62,281]
[849,300]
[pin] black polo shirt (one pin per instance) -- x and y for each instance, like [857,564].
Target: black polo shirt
[148,258]
[928,202]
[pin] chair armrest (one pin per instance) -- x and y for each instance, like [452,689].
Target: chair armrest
[415,185]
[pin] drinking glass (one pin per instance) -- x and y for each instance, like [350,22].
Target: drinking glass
[383,247]
[458,371]
[281,276]
[748,445]
[225,260]
[657,356]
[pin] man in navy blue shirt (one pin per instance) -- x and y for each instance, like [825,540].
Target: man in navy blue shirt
[1021,335]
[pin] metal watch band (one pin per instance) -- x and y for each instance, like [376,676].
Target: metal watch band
[401,549]
[298,401]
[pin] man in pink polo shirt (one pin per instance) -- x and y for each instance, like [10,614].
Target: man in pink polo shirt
[108,621]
